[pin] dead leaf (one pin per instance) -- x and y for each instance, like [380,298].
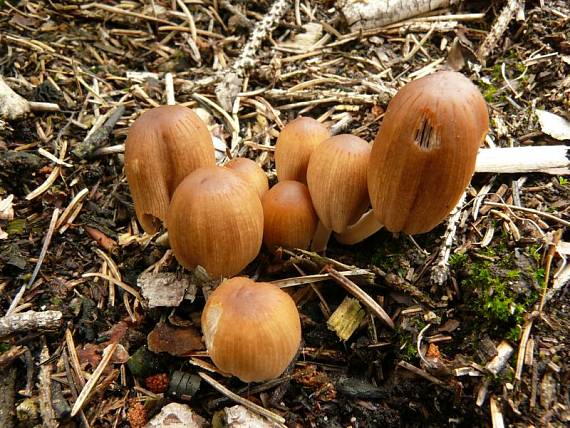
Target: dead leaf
[455,57]
[553,125]
[176,341]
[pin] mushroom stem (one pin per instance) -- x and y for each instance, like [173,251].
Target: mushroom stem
[321,238]
[366,226]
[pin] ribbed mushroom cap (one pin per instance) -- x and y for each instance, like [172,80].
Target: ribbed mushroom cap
[336,178]
[252,329]
[424,154]
[215,220]
[295,145]
[163,146]
[251,172]
[290,220]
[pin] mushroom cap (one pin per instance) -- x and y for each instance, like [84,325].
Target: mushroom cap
[215,220]
[163,146]
[336,178]
[251,172]
[289,220]
[295,144]
[252,329]
[424,154]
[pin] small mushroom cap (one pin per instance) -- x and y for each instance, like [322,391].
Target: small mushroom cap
[295,144]
[290,220]
[252,329]
[163,146]
[424,154]
[251,172]
[336,178]
[215,220]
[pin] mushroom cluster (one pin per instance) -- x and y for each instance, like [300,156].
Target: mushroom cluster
[218,217]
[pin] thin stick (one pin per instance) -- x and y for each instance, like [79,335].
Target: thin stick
[498,29]
[546,159]
[45,247]
[440,270]
[169,89]
[30,321]
[82,399]
[423,374]
[121,284]
[522,349]
[240,400]
[361,295]
[529,210]
[262,29]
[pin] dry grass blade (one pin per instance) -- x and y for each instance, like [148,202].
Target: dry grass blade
[309,279]
[240,400]
[87,389]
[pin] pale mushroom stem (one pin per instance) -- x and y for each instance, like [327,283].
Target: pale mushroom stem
[366,226]
[321,238]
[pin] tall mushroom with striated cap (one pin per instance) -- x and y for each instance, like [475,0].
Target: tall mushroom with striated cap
[163,146]
[295,144]
[336,177]
[251,172]
[424,154]
[290,220]
[215,220]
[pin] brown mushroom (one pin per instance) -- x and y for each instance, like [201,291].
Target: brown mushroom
[336,178]
[163,146]
[251,172]
[290,220]
[215,220]
[252,329]
[424,154]
[295,144]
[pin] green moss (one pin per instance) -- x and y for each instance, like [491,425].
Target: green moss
[407,348]
[498,290]
[563,181]
[489,93]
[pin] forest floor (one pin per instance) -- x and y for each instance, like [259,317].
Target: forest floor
[489,345]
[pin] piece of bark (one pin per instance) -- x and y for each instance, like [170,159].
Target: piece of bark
[361,15]
[544,159]
[175,415]
[30,320]
[166,288]
[12,105]
[240,417]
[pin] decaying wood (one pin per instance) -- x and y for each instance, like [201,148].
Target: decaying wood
[370,14]
[99,134]
[29,321]
[176,414]
[12,105]
[46,408]
[515,160]
[357,292]
[166,289]
[498,29]
[440,270]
